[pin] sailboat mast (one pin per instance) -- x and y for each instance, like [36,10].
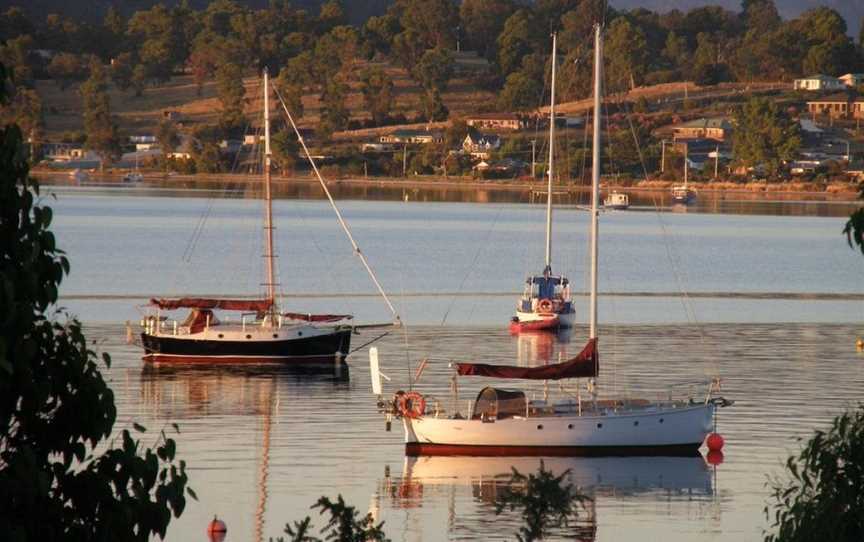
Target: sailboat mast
[551,161]
[595,175]
[268,196]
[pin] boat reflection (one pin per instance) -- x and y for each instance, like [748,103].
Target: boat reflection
[489,478]
[534,348]
[181,391]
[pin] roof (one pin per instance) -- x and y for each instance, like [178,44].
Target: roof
[839,97]
[819,76]
[852,75]
[494,116]
[713,122]
[404,132]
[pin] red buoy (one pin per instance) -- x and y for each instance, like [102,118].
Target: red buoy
[714,442]
[216,529]
[714,457]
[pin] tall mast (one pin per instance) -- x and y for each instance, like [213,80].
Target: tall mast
[268,197]
[595,175]
[551,159]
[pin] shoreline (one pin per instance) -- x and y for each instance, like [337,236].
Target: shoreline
[806,191]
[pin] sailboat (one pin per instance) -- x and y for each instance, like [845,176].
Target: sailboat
[545,302]
[506,422]
[261,332]
[682,193]
[134,176]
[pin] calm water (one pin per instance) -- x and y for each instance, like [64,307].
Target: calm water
[774,305]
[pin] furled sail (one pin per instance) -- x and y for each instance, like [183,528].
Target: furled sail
[250,305]
[317,317]
[584,365]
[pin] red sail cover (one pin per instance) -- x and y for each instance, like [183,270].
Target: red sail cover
[317,317]
[250,305]
[585,365]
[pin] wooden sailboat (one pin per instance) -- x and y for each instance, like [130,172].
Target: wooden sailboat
[261,332]
[506,422]
[545,302]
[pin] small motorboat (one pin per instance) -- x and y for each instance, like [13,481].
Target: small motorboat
[542,323]
[617,201]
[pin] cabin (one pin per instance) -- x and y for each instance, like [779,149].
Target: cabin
[837,106]
[496,121]
[497,404]
[818,82]
[404,136]
[717,128]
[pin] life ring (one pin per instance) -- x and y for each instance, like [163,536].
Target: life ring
[411,404]
[545,305]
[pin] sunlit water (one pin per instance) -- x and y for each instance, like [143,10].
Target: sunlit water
[773,305]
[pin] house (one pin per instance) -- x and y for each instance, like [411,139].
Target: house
[496,121]
[717,128]
[500,168]
[62,152]
[479,145]
[251,139]
[172,115]
[852,79]
[840,105]
[377,147]
[818,82]
[422,137]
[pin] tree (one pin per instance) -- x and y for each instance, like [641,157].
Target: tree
[761,15]
[432,23]
[377,90]
[15,55]
[232,94]
[334,114]
[98,124]
[345,524]
[122,68]
[167,137]
[434,70]
[520,93]
[291,92]
[65,68]
[515,41]
[481,22]
[161,39]
[285,146]
[433,106]
[331,15]
[626,55]
[854,228]
[765,135]
[823,496]
[59,477]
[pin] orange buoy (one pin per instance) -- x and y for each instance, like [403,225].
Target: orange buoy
[714,457]
[216,529]
[714,442]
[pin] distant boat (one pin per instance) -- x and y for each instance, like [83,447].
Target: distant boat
[546,302]
[133,177]
[261,332]
[508,422]
[617,201]
[682,193]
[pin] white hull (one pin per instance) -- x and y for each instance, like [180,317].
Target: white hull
[650,429]
[565,319]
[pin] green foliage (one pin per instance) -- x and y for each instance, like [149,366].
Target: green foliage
[626,55]
[162,40]
[521,92]
[167,137]
[344,525]
[433,106]
[515,41]
[122,69]
[229,82]
[854,228]
[482,21]
[765,135]
[15,55]
[285,147]
[59,478]
[434,69]
[823,497]
[65,68]
[545,501]
[99,126]
[377,90]
[334,114]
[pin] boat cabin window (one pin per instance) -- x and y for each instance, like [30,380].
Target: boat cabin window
[547,287]
[493,403]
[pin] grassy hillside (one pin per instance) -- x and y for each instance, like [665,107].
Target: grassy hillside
[141,114]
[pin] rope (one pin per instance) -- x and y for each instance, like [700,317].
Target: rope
[367,343]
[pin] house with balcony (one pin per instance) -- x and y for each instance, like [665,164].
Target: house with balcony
[818,82]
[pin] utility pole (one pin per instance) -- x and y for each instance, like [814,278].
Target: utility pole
[533,156]
[663,156]
[716,160]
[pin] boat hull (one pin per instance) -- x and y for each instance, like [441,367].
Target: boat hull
[650,431]
[328,346]
[550,322]
[564,319]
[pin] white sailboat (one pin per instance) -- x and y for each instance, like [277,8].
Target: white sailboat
[506,422]
[545,302]
[134,176]
[681,193]
[261,332]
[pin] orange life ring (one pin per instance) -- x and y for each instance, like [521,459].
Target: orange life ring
[545,305]
[411,405]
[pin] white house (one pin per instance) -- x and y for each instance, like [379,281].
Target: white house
[819,82]
[480,145]
[852,79]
